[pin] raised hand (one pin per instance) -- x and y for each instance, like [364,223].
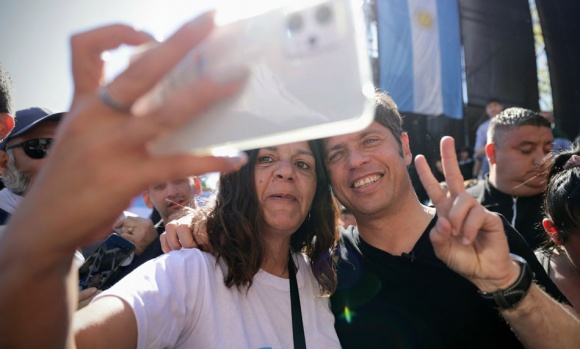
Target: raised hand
[100,157]
[186,232]
[467,237]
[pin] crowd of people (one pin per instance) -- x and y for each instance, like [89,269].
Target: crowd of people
[270,266]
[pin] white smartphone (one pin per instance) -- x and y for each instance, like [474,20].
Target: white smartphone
[309,76]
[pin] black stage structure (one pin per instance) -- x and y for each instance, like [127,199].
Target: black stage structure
[500,62]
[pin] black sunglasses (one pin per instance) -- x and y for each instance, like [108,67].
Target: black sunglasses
[36,148]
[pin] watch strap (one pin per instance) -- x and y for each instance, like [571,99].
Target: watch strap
[513,295]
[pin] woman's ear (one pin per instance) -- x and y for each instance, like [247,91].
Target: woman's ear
[552,231]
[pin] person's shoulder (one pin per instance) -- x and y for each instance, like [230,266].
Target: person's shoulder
[186,258]
[484,125]
[544,255]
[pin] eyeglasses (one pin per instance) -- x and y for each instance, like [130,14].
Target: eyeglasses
[36,148]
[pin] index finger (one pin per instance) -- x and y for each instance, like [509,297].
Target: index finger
[153,64]
[453,176]
[430,183]
[86,50]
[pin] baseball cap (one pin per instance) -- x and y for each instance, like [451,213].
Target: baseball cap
[26,119]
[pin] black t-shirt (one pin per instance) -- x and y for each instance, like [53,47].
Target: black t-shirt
[415,300]
[4,217]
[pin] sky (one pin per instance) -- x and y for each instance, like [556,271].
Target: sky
[35,34]
[35,39]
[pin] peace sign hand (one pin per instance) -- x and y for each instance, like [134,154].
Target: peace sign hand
[467,237]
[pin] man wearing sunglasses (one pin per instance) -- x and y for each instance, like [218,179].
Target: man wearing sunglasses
[21,155]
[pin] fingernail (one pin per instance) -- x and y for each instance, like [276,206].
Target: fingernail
[465,241]
[202,21]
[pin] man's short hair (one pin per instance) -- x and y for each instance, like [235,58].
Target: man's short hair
[511,119]
[493,100]
[6,92]
[387,114]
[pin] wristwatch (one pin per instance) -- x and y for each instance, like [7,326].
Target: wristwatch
[513,295]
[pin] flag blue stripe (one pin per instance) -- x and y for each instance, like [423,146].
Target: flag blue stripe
[396,52]
[449,40]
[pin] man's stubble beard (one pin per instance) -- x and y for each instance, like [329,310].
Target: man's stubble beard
[15,180]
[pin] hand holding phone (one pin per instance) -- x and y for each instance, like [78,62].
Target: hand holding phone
[104,261]
[308,76]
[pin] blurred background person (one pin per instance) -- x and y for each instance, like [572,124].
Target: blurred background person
[481,166]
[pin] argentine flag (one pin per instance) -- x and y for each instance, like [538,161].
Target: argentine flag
[420,55]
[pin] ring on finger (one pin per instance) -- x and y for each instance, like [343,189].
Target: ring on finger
[112,102]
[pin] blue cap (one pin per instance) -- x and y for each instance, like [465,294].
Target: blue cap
[26,119]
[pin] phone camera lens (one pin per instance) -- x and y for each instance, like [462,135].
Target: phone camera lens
[323,14]
[295,23]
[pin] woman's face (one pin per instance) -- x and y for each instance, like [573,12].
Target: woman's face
[285,180]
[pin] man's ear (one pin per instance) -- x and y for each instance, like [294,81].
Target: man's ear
[490,152]
[552,231]
[197,184]
[407,155]
[6,125]
[147,199]
[3,162]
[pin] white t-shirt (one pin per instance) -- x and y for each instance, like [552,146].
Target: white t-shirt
[180,301]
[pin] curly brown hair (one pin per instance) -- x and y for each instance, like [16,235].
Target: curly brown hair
[232,226]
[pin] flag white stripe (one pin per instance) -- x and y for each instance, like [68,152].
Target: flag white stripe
[428,97]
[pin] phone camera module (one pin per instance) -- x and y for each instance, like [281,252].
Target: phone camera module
[295,23]
[323,14]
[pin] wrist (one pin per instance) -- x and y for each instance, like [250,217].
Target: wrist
[516,287]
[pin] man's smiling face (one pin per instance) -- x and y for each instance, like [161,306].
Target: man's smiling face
[368,169]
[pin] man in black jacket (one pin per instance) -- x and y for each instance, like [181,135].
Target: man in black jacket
[518,141]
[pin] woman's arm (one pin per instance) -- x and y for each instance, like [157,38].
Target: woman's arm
[109,322]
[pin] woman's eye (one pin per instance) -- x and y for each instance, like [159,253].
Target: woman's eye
[265,159]
[303,165]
